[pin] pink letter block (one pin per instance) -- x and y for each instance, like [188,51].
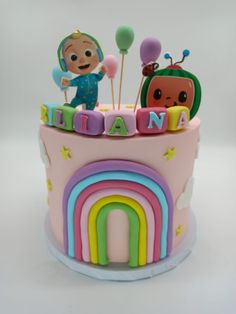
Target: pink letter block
[120,123]
[152,120]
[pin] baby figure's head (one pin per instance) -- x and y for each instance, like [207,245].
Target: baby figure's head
[79,53]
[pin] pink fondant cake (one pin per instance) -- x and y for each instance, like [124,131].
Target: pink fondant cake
[120,179]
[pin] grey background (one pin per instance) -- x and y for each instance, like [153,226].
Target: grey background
[31,280]
[31,32]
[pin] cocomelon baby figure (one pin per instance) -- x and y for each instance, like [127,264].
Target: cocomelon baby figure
[80,53]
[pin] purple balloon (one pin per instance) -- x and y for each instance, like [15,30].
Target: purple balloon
[150,50]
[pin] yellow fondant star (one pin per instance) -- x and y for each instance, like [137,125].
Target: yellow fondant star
[104,109]
[49,185]
[170,153]
[65,153]
[179,230]
[129,106]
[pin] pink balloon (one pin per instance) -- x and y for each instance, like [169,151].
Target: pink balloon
[110,63]
[150,50]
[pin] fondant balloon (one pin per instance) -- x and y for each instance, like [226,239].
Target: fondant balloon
[150,50]
[110,63]
[124,38]
[57,75]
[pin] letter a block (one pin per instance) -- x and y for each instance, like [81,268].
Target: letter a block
[120,123]
[178,118]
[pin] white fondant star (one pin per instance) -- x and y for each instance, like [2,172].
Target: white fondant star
[184,199]
[43,153]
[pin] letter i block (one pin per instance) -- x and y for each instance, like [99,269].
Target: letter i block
[178,118]
[63,117]
[120,123]
[47,111]
[89,122]
[152,120]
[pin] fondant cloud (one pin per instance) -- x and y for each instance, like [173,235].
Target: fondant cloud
[184,199]
[43,153]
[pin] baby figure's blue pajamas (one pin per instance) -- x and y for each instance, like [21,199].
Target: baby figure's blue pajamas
[87,90]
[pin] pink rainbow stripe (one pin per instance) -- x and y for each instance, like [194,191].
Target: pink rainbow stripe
[123,192]
[136,187]
[117,165]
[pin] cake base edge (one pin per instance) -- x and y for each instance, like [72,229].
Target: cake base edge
[114,272]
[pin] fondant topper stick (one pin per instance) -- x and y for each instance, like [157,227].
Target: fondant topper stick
[121,79]
[58,75]
[65,95]
[112,95]
[150,50]
[110,63]
[139,91]
[124,40]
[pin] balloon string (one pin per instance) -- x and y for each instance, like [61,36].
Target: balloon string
[65,94]
[121,77]
[112,93]
[139,91]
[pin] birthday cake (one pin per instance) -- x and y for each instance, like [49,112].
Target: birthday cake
[120,177]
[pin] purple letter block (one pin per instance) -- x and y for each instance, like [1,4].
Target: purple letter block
[89,122]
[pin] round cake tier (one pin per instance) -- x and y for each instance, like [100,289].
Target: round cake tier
[148,178]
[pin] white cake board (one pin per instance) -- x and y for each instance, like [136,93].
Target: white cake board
[123,272]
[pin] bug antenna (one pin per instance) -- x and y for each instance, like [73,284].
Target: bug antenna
[186,53]
[167,56]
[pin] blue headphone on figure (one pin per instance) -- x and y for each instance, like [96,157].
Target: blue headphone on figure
[76,35]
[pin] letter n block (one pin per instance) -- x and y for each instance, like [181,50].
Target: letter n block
[47,111]
[178,118]
[152,120]
[89,122]
[120,123]
[63,117]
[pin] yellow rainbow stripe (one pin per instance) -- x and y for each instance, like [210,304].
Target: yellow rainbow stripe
[95,209]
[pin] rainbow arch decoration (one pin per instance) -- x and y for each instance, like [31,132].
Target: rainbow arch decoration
[100,187]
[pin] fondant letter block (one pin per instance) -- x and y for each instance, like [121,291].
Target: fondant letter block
[120,123]
[152,120]
[89,122]
[63,117]
[178,118]
[47,113]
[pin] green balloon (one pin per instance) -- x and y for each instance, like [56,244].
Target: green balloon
[124,38]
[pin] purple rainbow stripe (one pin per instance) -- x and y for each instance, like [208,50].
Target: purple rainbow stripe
[118,165]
